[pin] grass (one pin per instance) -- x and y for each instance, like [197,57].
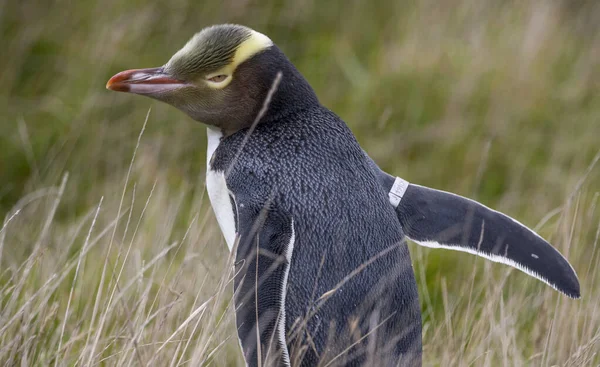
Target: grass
[120,261]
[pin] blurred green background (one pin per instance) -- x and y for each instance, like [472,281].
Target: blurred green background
[495,100]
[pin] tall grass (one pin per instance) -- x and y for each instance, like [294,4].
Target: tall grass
[120,261]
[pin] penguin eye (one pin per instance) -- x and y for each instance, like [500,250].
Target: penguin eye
[217,78]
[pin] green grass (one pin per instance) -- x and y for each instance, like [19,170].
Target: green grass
[122,264]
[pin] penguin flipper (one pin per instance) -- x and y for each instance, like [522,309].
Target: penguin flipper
[264,248]
[439,219]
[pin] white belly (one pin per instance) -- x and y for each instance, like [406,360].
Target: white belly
[218,193]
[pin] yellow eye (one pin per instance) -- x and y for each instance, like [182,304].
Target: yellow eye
[218,78]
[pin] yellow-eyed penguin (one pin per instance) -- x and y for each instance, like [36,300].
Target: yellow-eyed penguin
[323,273]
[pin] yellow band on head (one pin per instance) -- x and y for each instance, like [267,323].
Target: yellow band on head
[256,43]
[250,47]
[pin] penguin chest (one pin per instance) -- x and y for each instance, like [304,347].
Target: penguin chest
[218,193]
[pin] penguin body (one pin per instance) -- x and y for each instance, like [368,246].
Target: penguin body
[333,269]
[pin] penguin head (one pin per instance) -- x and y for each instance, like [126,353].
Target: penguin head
[222,77]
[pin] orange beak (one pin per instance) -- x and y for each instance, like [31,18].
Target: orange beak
[144,81]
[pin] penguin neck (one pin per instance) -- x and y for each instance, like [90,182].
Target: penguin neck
[283,90]
[290,93]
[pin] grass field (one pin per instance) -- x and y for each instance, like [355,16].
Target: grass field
[110,254]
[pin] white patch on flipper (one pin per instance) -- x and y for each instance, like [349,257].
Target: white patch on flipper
[492,257]
[506,261]
[397,191]
[281,321]
[218,193]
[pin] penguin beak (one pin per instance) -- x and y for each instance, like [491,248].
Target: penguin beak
[144,81]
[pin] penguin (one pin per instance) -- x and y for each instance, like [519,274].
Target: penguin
[322,269]
[323,274]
